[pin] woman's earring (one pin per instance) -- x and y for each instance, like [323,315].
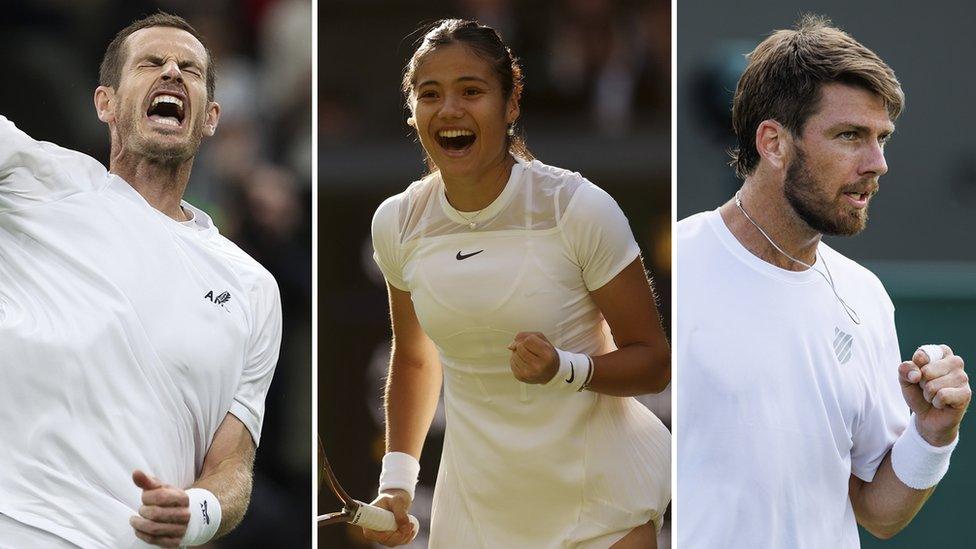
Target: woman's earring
[511,130]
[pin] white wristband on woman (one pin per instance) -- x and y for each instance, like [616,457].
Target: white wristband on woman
[917,463]
[400,471]
[204,517]
[575,371]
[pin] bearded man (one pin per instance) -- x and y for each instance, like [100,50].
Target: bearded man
[795,420]
[137,344]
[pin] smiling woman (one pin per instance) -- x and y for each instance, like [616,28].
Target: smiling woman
[506,278]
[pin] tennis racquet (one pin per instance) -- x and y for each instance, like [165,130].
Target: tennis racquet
[354,511]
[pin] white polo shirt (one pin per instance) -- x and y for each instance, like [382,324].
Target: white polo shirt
[125,339]
[781,396]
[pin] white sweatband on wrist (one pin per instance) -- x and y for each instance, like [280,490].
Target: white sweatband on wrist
[917,463]
[575,370]
[204,517]
[400,470]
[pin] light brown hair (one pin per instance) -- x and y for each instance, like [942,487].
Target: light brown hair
[786,73]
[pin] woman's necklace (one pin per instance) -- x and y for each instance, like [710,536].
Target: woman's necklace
[472,220]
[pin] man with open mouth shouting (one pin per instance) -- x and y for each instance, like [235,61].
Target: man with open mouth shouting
[138,344]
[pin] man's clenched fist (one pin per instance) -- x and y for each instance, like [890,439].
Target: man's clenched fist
[164,514]
[938,392]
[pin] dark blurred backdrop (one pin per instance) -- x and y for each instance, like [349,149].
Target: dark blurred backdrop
[920,240]
[253,177]
[596,101]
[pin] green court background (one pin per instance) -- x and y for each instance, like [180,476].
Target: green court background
[935,302]
[921,239]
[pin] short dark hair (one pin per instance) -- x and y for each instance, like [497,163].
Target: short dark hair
[484,42]
[786,74]
[110,71]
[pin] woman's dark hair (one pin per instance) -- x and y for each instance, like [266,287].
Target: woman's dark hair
[484,42]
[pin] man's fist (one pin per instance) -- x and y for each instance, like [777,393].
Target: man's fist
[534,359]
[938,392]
[164,514]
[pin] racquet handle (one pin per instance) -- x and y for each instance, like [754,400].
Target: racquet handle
[379,519]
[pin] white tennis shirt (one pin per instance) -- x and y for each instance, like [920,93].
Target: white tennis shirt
[524,465]
[125,339]
[781,396]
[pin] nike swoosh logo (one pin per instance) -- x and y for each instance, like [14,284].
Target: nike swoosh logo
[461,256]
[572,372]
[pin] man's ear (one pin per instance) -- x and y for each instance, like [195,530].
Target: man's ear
[773,143]
[213,117]
[105,104]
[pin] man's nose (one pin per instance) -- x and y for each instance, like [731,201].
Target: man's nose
[874,161]
[171,71]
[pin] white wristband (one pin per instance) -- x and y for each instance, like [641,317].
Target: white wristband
[575,371]
[400,470]
[204,517]
[917,463]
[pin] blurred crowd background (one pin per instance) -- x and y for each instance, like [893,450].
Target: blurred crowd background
[596,100]
[919,240]
[253,177]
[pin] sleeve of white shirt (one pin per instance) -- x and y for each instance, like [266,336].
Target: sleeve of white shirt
[386,242]
[885,414]
[262,357]
[598,234]
[33,172]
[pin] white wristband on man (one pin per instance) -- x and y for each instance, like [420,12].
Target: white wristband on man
[204,517]
[917,463]
[575,371]
[400,471]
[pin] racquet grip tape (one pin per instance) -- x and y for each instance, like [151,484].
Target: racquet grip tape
[379,519]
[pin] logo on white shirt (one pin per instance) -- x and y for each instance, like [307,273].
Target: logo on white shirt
[461,257]
[843,346]
[220,299]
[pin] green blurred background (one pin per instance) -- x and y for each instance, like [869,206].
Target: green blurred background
[920,240]
[935,302]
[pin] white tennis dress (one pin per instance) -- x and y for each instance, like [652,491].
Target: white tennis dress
[125,339]
[525,466]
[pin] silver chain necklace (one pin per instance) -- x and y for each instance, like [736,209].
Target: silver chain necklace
[827,277]
[473,220]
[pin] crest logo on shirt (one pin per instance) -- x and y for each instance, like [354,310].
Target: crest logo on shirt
[220,299]
[843,346]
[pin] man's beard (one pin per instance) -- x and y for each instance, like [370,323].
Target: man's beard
[814,206]
[162,153]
